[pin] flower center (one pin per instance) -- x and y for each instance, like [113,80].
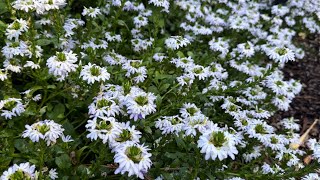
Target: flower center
[244,122]
[42,128]
[141,100]
[218,139]
[198,70]
[135,64]
[95,71]
[260,129]
[175,121]
[274,140]
[103,103]
[19,175]
[192,111]
[10,105]
[61,57]
[124,136]
[104,125]
[16,25]
[134,153]
[281,51]
[247,46]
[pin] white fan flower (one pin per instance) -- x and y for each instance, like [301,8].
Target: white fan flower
[93,73]
[133,158]
[217,144]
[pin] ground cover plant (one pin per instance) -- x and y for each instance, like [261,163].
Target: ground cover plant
[152,89]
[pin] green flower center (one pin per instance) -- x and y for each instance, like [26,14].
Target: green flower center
[184,60]
[124,136]
[281,51]
[244,122]
[95,71]
[192,111]
[279,83]
[135,64]
[247,46]
[233,107]
[218,139]
[10,105]
[260,129]
[134,153]
[175,121]
[274,140]
[104,125]
[141,100]
[186,79]
[16,25]
[43,128]
[103,103]
[61,57]
[20,175]
[213,69]
[15,44]
[198,70]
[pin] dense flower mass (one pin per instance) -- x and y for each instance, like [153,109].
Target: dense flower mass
[157,89]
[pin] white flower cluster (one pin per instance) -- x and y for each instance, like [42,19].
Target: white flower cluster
[220,61]
[122,138]
[62,64]
[40,6]
[215,142]
[47,130]
[21,171]
[11,107]
[25,171]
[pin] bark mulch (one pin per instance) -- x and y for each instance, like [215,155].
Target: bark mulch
[305,106]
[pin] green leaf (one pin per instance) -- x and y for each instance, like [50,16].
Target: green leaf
[5,161]
[33,161]
[51,86]
[63,161]
[171,155]
[80,151]
[164,88]
[175,163]
[6,133]
[21,145]
[43,110]
[3,26]
[43,42]
[3,7]
[31,109]
[148,129]
[180,54]
[57,112]
[180,142]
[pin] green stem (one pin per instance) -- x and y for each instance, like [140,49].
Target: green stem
[41,157]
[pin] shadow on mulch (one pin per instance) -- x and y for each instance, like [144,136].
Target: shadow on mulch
[305,106]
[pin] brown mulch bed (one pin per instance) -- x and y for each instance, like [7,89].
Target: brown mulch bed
[305,106]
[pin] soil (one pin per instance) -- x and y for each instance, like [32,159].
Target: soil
[306,105]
